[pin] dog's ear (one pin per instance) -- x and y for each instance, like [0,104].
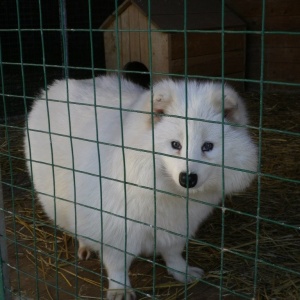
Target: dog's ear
[234,108]
[159,100]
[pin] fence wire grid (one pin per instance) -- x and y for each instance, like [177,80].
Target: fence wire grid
[250,246]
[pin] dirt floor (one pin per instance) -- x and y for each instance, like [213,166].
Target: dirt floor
[42,261]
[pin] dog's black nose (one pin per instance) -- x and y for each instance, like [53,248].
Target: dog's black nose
[191,181]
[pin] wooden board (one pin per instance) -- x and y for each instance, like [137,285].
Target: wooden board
[277,55]
[277,71]
[160,52]
[144,46]
[281,61]
[134,36]
[204,43]
[210,65]
[274,40]
[250,10]
[110,48]
[124,44]
[169,14]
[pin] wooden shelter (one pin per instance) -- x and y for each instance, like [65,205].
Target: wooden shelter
[203,43]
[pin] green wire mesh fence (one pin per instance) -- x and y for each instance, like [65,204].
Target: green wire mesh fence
[248,248]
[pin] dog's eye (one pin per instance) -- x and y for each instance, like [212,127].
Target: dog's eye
[207,146]
[176,145]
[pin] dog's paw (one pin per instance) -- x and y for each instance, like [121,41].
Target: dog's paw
[193,274]
[120,295]
[84,253]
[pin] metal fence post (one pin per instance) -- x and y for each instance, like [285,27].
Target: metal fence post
[4,274]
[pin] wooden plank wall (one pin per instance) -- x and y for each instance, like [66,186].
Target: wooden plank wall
[282,51]
[204,55]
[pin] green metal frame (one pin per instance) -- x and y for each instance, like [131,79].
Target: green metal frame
[4,288]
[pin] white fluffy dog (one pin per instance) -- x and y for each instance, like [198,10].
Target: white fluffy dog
[118,179]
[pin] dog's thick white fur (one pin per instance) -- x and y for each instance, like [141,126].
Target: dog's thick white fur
[79,169]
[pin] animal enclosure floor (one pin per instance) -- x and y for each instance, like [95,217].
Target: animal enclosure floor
[42,261]
[35,273]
